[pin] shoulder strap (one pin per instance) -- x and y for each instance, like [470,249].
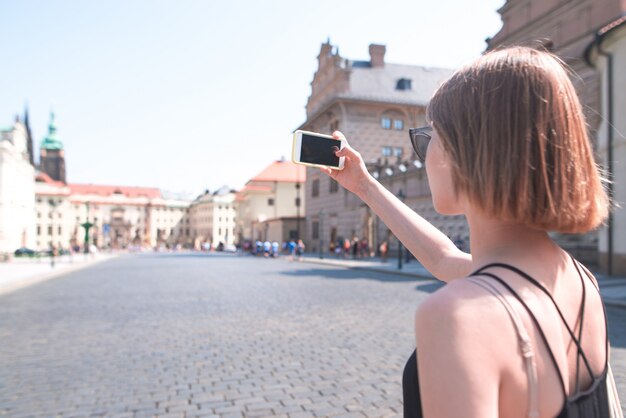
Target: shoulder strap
[524,343]
[544,290]
[534,319]
[606,322]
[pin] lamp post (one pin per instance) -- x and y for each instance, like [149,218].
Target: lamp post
[401,196]
[321,232]
[87,225]
[298,206]
[53,206]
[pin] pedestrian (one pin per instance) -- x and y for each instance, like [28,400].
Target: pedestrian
[346,247]
[53,254]
[300,249]
[383,251]
[364,248]
[275,249]
[292,248]
[506,145]
[355,248]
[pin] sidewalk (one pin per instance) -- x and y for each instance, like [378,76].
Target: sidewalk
[21,272]
[613,289]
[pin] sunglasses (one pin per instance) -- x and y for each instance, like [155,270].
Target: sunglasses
[420,137]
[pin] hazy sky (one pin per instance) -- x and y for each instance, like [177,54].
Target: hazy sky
[188,95]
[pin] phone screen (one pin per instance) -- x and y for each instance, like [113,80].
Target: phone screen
[317,150]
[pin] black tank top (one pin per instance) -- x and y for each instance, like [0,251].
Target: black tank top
[590,403]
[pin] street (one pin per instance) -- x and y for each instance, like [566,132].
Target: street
[197,335]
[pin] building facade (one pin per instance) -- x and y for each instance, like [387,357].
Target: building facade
[373,103]
[567,28]
[52,154]
[607,53]
[17,190]
[212,218]
[270,207]
[118,217]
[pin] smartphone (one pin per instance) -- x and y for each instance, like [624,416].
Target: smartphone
[317,150]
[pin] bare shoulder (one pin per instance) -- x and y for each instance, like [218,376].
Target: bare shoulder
[464,311]
[459,352]
[460,300]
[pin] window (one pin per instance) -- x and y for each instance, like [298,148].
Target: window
[38,230]
[387,151]
[219,231]
[59,230]
[315,189]
[270,202]
[297,202]
[334,186]
[50,230]
[398,124]
[403,84]
[397,151]
[39,214]
[316,230]
[385,123]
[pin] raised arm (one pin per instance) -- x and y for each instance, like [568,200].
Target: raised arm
[431,247]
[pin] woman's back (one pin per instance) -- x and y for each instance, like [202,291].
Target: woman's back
[493,327]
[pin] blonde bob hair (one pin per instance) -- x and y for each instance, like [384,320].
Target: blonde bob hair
[514,129]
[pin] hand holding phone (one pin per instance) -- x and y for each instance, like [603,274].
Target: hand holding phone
[317,150]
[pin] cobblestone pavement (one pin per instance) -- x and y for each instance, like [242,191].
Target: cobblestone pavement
[195,335]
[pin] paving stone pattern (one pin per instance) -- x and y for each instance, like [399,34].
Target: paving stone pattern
[214,336]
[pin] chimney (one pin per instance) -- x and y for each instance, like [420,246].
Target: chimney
[377,55]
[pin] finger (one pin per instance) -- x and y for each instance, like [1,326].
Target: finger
[340,135]
[347,151]
[328,171]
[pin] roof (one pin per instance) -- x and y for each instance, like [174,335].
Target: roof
[601,34]
[282,171]
[93,189]
[253,188]
[45,178]
[379,83]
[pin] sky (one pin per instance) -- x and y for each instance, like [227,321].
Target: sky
[192,95]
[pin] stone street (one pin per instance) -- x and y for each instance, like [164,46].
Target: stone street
[197,335]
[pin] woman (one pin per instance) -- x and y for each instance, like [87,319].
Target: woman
[519,330]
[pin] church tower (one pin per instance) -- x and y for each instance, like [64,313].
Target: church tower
[52,157]
[29,139]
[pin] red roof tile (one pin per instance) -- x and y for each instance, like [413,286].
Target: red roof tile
[282,171]
[45,178]
[149,192]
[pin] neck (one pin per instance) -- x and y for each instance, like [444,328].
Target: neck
[498,241]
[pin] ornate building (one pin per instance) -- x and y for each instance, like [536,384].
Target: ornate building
[17,189]
[119,217]
[212,218]
[373,103]
[52,156]
[271,204]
